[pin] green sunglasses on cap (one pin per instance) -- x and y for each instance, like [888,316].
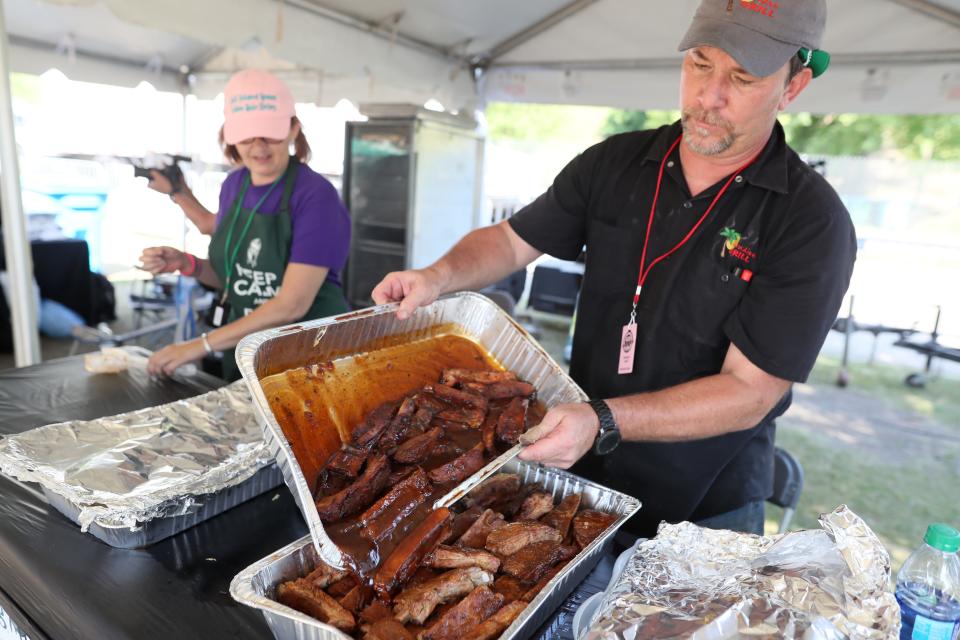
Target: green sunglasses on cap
[817,60]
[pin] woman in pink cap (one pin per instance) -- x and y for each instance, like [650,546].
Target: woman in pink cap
[280,237]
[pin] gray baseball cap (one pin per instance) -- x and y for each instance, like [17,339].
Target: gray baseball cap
[762,35]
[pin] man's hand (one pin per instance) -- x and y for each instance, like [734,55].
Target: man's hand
[412,289]
[565,434]
[163,260]
[168,359]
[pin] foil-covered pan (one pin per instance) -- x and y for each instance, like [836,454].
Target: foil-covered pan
[255,586]
[349,338]
[831,584]
[141,476]
[117,534]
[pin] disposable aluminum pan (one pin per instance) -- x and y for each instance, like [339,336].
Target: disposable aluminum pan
[118,534]
[342,338]
[255,586]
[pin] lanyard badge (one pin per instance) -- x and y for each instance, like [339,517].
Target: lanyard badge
[628,339]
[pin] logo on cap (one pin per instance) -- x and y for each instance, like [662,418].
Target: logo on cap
[764,7]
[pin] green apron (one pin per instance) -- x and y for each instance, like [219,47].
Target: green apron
[260,261]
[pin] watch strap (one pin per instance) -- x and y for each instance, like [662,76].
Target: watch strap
[602,409]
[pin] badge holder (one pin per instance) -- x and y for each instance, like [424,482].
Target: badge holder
[218,313]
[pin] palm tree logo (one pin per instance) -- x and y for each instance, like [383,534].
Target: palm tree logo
[731,239]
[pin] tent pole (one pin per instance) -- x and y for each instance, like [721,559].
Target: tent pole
[23,314]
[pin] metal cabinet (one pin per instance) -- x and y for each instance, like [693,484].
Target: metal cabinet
[413,182]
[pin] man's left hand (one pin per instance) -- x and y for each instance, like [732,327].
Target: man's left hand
[565,434]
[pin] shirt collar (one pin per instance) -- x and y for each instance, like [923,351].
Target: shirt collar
[768,172]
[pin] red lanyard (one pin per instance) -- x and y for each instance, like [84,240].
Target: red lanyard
[653,207]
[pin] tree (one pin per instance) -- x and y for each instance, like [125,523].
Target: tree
[924,137]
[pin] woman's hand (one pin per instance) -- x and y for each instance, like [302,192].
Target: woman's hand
[163,260]
[168,359]
[160,182]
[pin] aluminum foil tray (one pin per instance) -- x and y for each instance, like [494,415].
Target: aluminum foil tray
[341,338]
[137,477]
[255,585]
[118,534]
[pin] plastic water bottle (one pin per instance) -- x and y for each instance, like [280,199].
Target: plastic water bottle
[928,587]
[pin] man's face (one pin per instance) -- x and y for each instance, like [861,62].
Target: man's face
[726,111]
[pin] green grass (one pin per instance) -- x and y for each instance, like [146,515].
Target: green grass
[897,502]
[939,399]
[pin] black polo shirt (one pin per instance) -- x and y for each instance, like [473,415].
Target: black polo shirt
[767,270]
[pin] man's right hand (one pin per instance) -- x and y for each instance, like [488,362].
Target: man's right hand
[412,289]
[163,260]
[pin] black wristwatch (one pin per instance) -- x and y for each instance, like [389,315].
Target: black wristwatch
[608,437]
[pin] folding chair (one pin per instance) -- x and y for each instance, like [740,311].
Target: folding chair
[787,485]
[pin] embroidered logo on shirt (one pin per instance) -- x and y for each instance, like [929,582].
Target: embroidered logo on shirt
[253,252]
[734,245]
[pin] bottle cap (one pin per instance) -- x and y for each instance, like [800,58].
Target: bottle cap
[942,537]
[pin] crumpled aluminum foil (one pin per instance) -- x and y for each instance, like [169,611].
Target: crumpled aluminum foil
[706,584]
[130,468]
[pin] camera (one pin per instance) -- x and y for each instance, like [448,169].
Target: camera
[166,165]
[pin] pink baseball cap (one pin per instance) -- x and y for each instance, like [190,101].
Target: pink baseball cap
[256,104]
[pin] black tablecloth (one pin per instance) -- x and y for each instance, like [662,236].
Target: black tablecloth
[59,583]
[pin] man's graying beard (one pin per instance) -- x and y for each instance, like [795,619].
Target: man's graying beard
[691,129]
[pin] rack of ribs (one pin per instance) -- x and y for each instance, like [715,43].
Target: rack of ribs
[530,563]
[387,629]
[324,575]
[562,514]
[513,536]
[409,554]
[494,488]
[447,557]
[460,467]
[535,505]
[399,427]
[347,461]
[357,495]
[476,536]
[456,397]
[501,390]
[496,624]
[369,431]
[588,524]
[512,421]
[415,604]
[380,519]
[419,447]
[479,605]
[304,596]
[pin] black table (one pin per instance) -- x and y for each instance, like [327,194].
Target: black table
[59,583]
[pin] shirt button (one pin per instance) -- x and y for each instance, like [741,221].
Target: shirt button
[725,277]
[687,204]
[670,163]
[738,179]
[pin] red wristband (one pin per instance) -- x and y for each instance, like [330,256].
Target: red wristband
[193,265]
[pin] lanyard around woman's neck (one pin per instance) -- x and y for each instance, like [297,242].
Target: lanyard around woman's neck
[229,256]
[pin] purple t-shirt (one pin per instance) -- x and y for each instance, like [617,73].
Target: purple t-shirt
[320,222]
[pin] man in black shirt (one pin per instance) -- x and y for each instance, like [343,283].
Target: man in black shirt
[716,261]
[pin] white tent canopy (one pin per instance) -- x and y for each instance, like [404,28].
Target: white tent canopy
[889,56]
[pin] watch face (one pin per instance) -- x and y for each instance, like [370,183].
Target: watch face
[607,441]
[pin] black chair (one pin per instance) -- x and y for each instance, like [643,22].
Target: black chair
[787,485]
